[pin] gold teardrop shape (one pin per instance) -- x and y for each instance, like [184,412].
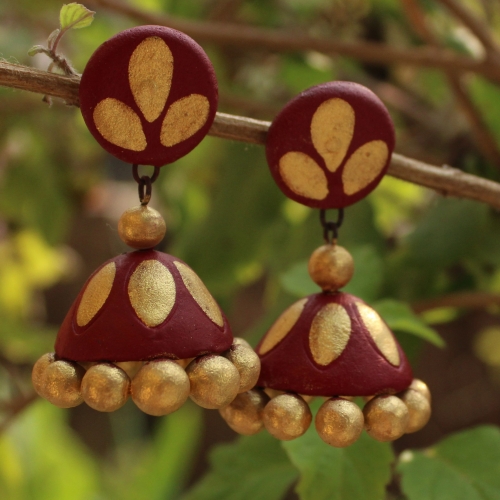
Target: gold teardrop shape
[150,71]
[184,118]
[380,333]
[200,293]
[96,293]
[332,128]
[151,291]
[119,124]
[364,166]
[303,175]
[282,326]
[330,331]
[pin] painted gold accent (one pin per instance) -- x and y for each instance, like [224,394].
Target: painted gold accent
[419,409]
[215,381]
[141,227]
[329,334]
[200,293]
[287,417]
[380,333]
[183,119]
[61,384]
[105,387]
[150,71]
[282,326]
[38,372]
[420,386]
[160,387]
[247,363]
[96,294]
[332,128]
[303,175]
[331,267]
[244,414]
[119,124]
[339,422]
[151,290]
[386,418]
[364,165]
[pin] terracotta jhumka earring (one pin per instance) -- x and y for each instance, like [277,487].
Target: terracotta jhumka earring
[327,149]
[144,325]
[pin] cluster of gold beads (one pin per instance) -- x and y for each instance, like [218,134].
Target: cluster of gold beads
[158,387]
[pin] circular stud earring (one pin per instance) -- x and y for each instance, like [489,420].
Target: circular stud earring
[328,148]
[144,325]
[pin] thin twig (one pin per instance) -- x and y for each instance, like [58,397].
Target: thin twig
[465,300]
[446,180]
[15,407]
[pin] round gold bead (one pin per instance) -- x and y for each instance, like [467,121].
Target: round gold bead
[61,384]
[160,387]
[247,363]
[131,368]
[386,418]
[38,372]
[244,414]
[339,422]
[287,417]
[105,387]
[215,381]
[141,227]
[272,393]
[420,386]
[331,267]
[419,409]
[240,341]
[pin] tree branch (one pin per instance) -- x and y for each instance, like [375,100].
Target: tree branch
[448,181]
[466,300]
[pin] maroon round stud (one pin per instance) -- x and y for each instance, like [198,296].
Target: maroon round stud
[149,95]
[331,145]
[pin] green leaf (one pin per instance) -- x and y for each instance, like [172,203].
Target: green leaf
[74,16]
[358,471]
[401,318]
[250,467]
[465,466]
[37,49]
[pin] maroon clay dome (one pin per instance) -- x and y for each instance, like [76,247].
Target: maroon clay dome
[139,306]
[332,344]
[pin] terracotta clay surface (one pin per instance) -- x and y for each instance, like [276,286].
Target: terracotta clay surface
[329,351]
[145,288]
[331,145]
[149,95]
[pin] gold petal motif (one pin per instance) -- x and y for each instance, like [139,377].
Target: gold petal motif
[364,166]
[119,124]
[303,175]
[200,293]
[329,334]
[380,333]
[96,293]
[282,326]
[151,290]
[184,118]
[150,71]
[332,128]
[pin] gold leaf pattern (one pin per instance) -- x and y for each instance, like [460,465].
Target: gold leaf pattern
[96,293]
[329,334]
[119,124]
[152,293]
[150,71]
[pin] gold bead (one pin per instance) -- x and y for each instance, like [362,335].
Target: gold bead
[386,418]
[420,386]
[272,393]
[331,267]
[160,387]
[240,341]
[215,381]
[244,414]
[38,373]
[61,384]
[339,422]
[131,368]
[141,227]
[419,409]
[247,363]
[105,387]
[287,417]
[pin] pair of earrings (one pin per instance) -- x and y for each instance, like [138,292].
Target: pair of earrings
[145,326]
